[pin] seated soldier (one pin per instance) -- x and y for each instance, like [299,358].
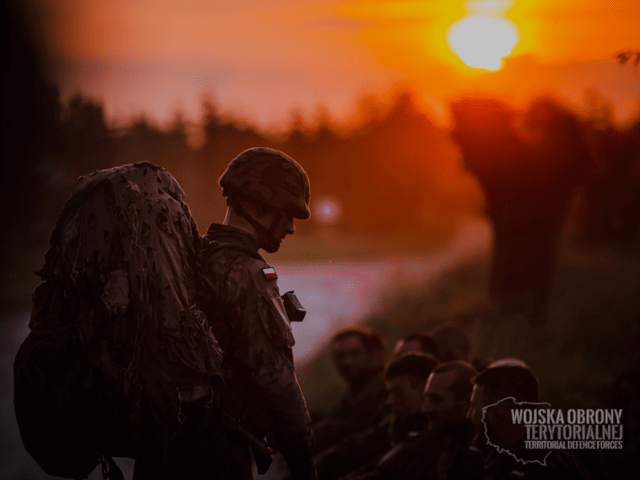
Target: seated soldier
[357,353]
[405,378]
[500,439]
[439,449]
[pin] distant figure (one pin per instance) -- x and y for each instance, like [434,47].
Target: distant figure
[356,353]
[417,342]
[528,167]
[495,429]
[405,378]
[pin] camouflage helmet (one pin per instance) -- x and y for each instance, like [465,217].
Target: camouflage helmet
[271,178]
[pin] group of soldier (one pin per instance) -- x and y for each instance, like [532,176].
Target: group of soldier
[420,415]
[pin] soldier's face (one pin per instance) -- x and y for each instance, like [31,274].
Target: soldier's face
[351,357]
[284,227]
[404,394]
[440,406]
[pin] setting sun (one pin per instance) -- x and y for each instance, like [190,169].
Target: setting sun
[482,41]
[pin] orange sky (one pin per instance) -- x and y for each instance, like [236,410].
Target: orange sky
[262,58]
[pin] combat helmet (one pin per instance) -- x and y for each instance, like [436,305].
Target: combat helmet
[269,177]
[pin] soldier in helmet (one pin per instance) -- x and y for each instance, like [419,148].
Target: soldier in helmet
[265,191]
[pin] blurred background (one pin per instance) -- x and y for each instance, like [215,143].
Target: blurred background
[471,162]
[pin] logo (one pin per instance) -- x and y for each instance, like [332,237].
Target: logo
[545,429]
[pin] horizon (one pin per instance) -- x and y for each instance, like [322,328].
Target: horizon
[266,62]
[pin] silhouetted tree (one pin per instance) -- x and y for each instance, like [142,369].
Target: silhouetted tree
[528,166]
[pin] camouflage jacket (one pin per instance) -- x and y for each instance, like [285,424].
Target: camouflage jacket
[353,413]
[361,451]
[369,400]
[252,327]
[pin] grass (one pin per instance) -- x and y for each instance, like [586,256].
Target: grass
[590,339]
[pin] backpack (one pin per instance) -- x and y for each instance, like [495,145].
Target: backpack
[117,340]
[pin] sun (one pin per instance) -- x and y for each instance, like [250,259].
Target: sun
[482,41]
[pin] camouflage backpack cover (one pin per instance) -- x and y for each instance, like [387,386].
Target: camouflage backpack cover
[117,340]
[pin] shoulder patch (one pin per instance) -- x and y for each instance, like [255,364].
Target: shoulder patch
[270,273]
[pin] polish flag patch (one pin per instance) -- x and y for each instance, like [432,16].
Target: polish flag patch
[269,273]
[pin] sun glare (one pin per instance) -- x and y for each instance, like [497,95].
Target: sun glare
[482,41]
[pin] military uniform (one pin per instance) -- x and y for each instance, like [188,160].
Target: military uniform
[362,450]
[368,401]
[353,413]
[253,330]
[444,454]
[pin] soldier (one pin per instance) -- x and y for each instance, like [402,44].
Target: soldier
[405,378]
[265,191]
[490,411]
[357,355]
